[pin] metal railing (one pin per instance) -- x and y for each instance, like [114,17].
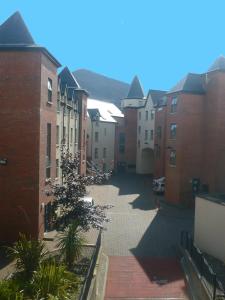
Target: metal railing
[214,286]
[88,278]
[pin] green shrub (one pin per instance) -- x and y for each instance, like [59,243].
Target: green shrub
[28,254]
[52,280]
[70,244]
[10,290]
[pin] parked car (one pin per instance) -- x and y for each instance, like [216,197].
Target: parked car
[158,185]
[88,200]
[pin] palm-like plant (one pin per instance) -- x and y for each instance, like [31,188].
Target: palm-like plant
[28,255]
[70,244]
[53,282]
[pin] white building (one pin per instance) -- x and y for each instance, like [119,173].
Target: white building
[101,134]
[145,133]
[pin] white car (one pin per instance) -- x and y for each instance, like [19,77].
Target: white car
[158,185]
[88,200]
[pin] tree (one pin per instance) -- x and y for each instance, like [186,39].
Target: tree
[67,205]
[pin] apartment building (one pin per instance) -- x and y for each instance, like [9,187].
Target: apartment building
[103,124]
[146,132]
[71,128]
[28,97]
[194,126]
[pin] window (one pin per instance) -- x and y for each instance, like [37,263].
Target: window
[58,105]
[139,143]
[96,152]
[139,115]
[57,134]
[75,136]
[71,135]
[105,131]
[146,115]
[173,131]
[49,90]
[48,151]
[84,138]
[173,105]
[104,152]
[173,157]
[64,134]
[157,151]
[159,132]
[146,135]
[57,168]
[122,142]
[152,135]
[139,129]
[152,114]
[96,137]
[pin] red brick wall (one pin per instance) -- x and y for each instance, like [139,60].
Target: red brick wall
[19,143]
[214,124]
[130,127]
[188,146]
[47,115]
[119,157]
[23,117]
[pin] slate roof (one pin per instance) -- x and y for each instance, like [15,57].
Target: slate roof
[191,83]
[101,87]
[219,64]
[135,91]
[14,31]
[157,96]
[106,110]
[69,82]
[14,35]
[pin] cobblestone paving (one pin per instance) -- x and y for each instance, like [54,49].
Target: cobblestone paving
[137,227]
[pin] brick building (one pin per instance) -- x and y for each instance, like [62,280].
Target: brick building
[28,98]
[71,127]
[190,126]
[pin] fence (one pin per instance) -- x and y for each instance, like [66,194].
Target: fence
[88,279]
[214,286]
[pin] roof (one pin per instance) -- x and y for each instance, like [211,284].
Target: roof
[219,64]
[106,110]
[69,82]
[101,87]
[14,35]
[156,96]
[191,83]
[14,31]
[67,78]
[135,91]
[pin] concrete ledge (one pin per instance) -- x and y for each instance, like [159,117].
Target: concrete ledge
[98,284]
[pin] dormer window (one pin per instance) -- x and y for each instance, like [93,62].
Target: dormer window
[49,90]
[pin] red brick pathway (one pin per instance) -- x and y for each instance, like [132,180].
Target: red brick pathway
[147,278]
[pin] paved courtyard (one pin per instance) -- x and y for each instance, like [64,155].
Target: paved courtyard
[141,241]
[136,227]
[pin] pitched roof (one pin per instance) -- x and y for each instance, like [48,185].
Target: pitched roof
[191,83]
[135,91]
[106,110]
[102,87]
[15,32]
[219,64]
[156,96]
[67,78]
[14,35]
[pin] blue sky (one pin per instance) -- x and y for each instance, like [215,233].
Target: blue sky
[159,40]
